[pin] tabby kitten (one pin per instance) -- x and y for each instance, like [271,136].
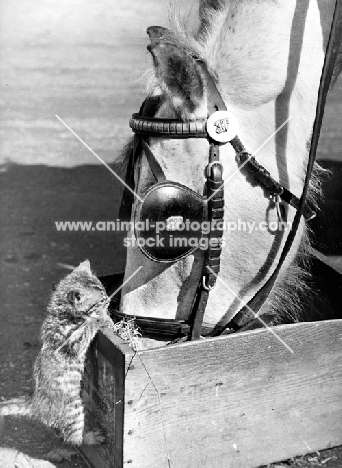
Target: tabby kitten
[77,309]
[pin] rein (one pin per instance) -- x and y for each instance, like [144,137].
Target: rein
[144,125]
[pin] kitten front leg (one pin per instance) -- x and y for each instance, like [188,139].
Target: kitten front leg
[73,424]
[73,432]
[94,437]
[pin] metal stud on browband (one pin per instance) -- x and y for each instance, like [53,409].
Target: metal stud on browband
[222,126]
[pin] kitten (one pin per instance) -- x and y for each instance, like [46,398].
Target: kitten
[78,308]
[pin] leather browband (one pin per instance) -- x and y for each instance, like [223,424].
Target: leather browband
[168,127]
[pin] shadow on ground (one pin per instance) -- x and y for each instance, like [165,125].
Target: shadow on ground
[33,256]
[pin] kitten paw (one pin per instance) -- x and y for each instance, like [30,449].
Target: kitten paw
[94,437]
[60,454]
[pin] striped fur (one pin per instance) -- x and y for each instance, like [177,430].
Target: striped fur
[77,309]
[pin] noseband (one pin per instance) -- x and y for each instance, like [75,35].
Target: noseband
[170,203]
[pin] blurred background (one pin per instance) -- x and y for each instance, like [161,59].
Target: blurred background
[82,60]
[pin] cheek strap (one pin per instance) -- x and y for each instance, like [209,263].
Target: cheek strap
[155,167]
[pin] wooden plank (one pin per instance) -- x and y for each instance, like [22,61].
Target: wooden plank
[104,396]
[238,401]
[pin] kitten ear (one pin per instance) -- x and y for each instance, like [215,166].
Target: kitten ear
[84,266]
[73,296]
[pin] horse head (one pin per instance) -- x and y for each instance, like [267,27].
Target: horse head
[266,68]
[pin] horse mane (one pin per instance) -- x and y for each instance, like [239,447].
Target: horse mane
[119,165]
[293,290]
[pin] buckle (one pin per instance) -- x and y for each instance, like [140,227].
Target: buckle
[210,165]
[205,285]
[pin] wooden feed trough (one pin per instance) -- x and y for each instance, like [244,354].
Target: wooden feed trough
[241,400]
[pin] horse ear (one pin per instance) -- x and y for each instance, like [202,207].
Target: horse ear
[179,76]
[160,34]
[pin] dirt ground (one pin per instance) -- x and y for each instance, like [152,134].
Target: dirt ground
[83,63]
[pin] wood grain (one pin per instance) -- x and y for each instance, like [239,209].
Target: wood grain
[237,401]
[104,396]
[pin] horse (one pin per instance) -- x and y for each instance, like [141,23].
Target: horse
[265,58]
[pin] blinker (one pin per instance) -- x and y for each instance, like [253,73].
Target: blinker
[166,221]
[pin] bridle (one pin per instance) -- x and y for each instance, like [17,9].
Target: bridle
[168,201]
